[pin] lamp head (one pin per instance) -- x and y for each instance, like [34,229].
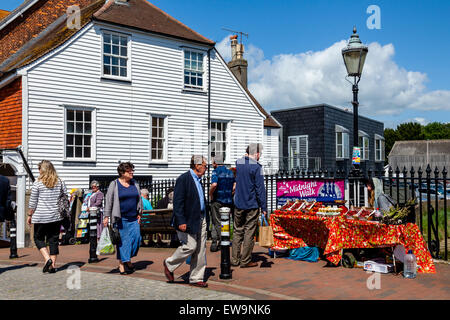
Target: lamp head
[354,55]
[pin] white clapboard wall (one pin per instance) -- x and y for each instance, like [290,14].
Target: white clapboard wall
[71,76]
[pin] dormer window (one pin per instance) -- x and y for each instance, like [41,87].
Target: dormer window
[116,53]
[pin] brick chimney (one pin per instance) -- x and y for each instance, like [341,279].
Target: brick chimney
[238,64]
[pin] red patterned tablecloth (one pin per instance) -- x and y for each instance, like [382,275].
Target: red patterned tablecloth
[335,233]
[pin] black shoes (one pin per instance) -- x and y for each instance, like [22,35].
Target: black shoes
[47,266]
[129,269]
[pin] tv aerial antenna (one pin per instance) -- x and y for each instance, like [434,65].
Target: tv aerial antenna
[237,33]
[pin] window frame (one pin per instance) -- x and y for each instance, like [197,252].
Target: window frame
[291,158]
[381,151]
[345,140]
[129,55]
[227,159]
[365,151]
[185,87]
[93,156]
[166,139]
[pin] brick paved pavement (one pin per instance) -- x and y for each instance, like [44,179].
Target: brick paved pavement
[27,282]
[279,279]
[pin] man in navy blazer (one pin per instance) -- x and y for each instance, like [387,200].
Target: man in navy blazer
[5,199]
[190,220]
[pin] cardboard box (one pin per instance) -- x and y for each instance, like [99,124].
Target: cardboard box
[378,267]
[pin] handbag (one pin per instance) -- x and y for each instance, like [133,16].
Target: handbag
[63,203]
[114,234]
[265,234]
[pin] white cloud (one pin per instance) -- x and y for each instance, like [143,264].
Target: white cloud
[313,77]
[421,120]
[224,48]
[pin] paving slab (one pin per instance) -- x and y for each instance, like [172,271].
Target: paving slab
[273,279]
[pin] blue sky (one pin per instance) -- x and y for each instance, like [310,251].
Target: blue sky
[407,76]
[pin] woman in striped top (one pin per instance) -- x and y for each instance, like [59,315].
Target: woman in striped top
[44,213]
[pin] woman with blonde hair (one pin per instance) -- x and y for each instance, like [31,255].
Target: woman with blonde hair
[44,213]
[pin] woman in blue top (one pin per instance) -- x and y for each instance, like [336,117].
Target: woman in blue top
[124,205]
[145,199]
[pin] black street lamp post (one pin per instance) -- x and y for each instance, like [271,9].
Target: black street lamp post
[354,57]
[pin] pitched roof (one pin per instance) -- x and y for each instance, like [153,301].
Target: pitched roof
[3,14]
[138,14]
[17,12]
[269,121]
[143,15]
[420,147]
[53,36]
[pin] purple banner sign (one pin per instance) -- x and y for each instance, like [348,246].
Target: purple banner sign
[319,190]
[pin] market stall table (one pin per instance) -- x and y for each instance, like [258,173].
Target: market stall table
[296,230]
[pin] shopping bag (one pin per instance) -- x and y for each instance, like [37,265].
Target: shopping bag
[265,234]
[105,245]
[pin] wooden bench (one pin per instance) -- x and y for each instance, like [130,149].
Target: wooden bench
[156,221]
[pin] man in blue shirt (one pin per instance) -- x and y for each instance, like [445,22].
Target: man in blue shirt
[221,195]
[190,221]
[249,198]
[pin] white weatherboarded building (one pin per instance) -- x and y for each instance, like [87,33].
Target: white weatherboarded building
[132,84]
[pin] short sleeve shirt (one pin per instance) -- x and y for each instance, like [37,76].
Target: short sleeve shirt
[224,178]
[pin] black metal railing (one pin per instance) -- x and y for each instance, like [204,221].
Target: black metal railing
[145,182]
[430,189]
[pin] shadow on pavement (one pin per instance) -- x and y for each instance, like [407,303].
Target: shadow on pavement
[262,256]
[79,264]
[17,267]
[142,265]
[264,262]
[209,272]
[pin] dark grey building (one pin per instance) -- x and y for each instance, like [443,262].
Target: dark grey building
[321,136]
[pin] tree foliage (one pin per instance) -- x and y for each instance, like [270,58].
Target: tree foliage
[436,130]
[415,131]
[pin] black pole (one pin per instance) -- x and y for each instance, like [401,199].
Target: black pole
[13,239]
[429,209]
[93,216]
[225,264]
[355,122]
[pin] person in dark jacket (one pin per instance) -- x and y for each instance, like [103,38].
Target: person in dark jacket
[5,199]
[249,197]
[167,201]
[190,219]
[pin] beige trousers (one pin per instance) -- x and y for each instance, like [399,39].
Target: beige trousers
[244,231]
[193,245]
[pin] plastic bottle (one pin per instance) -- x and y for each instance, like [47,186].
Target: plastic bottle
[410,265]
